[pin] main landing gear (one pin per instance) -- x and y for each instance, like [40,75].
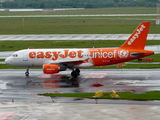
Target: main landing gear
[27,71]
[75,72]
[73,80]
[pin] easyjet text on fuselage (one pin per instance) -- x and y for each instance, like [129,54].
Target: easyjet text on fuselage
[54,55]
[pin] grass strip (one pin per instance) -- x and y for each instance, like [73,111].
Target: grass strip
[2,59]
[127,66]
[155,57]
[18,45]
[5,66]
[77,25]
[151,95]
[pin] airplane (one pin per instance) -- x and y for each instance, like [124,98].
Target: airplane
[56,60]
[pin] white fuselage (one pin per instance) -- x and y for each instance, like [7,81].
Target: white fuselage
[38,57]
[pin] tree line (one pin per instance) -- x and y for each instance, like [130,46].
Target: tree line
[77,3]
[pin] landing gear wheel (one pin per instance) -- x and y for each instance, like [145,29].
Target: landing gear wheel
[74,74]
[77,71]
[27,72]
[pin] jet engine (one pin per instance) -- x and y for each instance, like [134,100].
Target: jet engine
[53,68]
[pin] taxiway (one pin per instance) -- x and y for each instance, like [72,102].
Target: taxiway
[15,85]
[72,37]
[19,97]
[86,15]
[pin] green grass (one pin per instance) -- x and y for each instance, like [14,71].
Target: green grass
[76,25]
[83,95]
[5,66]
[155,57]
[152,95]
[70,26]
[18,45]
[129,66]
[2,59]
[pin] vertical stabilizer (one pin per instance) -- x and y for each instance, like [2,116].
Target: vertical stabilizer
[137,40]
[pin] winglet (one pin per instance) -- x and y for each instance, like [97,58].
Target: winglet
[138,38]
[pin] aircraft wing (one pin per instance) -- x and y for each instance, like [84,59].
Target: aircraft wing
[75,61]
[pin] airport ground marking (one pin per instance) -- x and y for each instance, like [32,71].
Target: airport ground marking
[25,116]
[6,115]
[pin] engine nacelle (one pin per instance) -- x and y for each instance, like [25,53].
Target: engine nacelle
[51,68]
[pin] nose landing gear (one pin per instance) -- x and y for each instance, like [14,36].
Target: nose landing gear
[27,71]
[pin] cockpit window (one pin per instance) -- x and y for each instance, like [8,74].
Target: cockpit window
[15,55]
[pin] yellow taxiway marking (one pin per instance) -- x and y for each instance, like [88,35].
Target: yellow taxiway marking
[71,77]
[25,116]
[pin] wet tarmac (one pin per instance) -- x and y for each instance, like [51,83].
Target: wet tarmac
[14,85]
[19,99]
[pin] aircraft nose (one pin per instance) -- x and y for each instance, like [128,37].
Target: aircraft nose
[8,61]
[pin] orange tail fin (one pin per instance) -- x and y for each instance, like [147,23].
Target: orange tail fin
[138,38]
